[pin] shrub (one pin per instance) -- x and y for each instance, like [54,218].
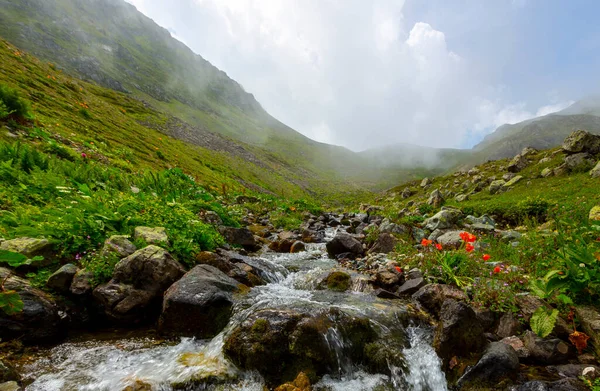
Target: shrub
[13,103]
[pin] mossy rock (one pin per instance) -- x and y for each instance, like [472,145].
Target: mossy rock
[337,281]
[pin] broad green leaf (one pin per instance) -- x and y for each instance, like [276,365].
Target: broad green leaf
[15,259]
[10,302]
[543,320]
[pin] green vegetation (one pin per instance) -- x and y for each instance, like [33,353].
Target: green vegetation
[11,104]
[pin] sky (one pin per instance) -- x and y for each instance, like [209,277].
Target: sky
[367,74]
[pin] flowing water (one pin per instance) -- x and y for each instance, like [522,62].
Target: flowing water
[112,365]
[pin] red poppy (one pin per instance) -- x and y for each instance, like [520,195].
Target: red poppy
[438,246]
[469,247]
[398,269]
[486,257]
[471,238]
[497,270]
[464,236]
[425,242]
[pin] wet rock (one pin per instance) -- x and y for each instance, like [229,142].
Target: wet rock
[282,246]
[82,283]
[151,235]
[436,199]
[508,326]
[518,163]
[384,244]
[547,351]
[298,247]
[9,386]
[119,245]
[239,237]
[337,281]
[385,294]
[300,383]
[239,271]
[575,370]
[446,218]
[61,279]
[39,321]
[459,331]
[589,318]
[8,373]
[312,236]
[281,343]
[199,304]
[495,186]
[432,296]
[139,385]
[499,361]
[579,162]
[388,279]
[138,283]
[411,286]
[559,385]
[344,243]
[581,141]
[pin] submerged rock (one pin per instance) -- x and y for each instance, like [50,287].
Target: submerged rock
[199,304]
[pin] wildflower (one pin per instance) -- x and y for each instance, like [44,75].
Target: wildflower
[438,246]
[425,242]
[497,270]
[486,257]
[469,247]
[398,269]
[83,155]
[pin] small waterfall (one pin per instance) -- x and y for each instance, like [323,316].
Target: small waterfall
[424,366]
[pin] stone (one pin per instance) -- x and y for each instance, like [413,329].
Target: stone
[298,247]
[406,193]
[138,284]
[508,176]
[426,182]
[510,236]
[411,286]
[528,151]
[82,283]
[589,318]
[581,141]
[199,304]
[450,239]
[432,296]
[517,344]
[546,172]
[495,186]
[240,237]
[388,279]
[61,279]
[384,244]
[499,361]
[547,351]
[575,370]
[459,331]
[119,245]
[29,247]
[236,269]
[282,245]
[300,383]
[513,181]
[344,243]
[151,235]
[385,294]
[483,221]
[8,373]
[561,170]
[337,281]
[473,171]
[518,163]
[444,219]
[559,385]
[392,228]
[508,325]
[436,199]
[595,172]
[461,197]
[9,386]
[40,320]
[580,162]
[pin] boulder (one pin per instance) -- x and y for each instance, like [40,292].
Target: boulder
[30,247]
[199,304]
[385,244]
[151,235]
[337,281]
[10,386]
[239,237]
[459,331]
[392,228]
[450,239]
[426,182]
[119,245]
[461,197]
[138,284]
[581,141]
[301,383]
[8,373]
[432,296]
[82,283]
[595,172]
[547,351]
[298,247]
[61,279]
[499,361]
[528,151]
[280,343]
[580,162]
[238,270]
[39,321]
[508,326]
[444,219]
[406,193]
[546,172]
[495,186]
[516,179]
[436,199]
[517,344]
[411,286]
[518,163]
[344,243]
[528,304]
[388,279]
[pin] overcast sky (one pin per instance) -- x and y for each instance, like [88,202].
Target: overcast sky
[362,73]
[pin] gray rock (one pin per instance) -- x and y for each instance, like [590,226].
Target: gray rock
[151,235]
[495,186]
[30,247]
[385,244]
[499,361]
[432,296]
[39,321]
[483,220]
[119,245]
[82,283]
[547,351]
[426,182]
[528,151]
[406,193]
[546,172]
[444,219]
[508,326]
[459,331]
[509,236]
[516,179]
[343,243]
[212,217]
[517,344]
[199,304]
[579,162]
[595,172]
[414,273]
[450,239]
[518,163]
[61,279]
[581,141]
[589,318]
[240,237]
[411,286]
[559,385]
[461,197]
[392,228]
[436,199]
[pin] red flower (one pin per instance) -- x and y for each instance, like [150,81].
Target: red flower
[486,257]
[469,247]
[83,155]
[425,242]
[438,246]
[467,237]
[464,236]
[471,238]
[497,270]
[398,269]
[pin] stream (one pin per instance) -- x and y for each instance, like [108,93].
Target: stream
[144,363]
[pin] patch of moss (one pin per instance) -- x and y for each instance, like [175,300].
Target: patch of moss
[338,281]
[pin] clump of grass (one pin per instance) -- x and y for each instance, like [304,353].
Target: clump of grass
[13,105]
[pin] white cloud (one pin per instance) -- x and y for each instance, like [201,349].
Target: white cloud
[351,72]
